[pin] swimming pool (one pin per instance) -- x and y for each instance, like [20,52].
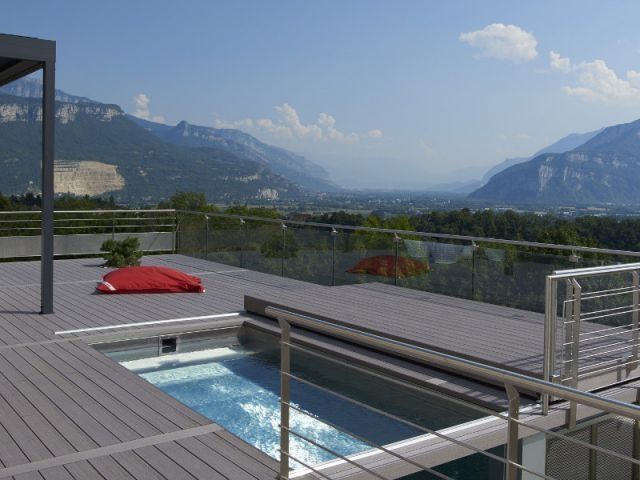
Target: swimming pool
[237,386]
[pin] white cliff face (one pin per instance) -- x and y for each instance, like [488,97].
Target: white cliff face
[65,112]
[545,172]
[268,194]
[86,178]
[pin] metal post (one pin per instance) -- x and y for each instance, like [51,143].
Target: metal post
[113,226]
[635,475]
[635,314]
[48,120]
[568,319]
[243,241]
[550,315]
[473,269]
[285,396]
[396,241]
[513,451]
[593,454]
[206,239]
[334,238]
[575,347]
[284,249]
[174,238]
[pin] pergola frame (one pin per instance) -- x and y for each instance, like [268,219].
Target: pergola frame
[20,56]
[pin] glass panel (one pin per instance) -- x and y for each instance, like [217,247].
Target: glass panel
[191,236]
[363,257]
[263,247]
[226,241]
[437,267]
[309,254]
[507,275]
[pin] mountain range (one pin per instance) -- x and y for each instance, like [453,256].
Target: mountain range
[102,150]
[605,169]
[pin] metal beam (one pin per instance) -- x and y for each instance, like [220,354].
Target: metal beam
[19,69]
[27,48]
[48,120]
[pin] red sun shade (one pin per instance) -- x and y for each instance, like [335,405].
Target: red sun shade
[385,266]
[149,280]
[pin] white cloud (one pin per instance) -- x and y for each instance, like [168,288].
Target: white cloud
[288,126]
[634,78]
[504,42]
[559,63]
[596,81]
[141,105]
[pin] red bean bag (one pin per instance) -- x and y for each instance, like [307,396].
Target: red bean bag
[385,266]
[149,280]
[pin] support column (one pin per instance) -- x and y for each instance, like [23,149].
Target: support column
[48,120]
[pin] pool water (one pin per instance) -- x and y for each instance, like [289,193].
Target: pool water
[238,388]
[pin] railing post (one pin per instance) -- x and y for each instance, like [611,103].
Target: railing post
[474,247]
[635,314]
[550,318]
[396,241]
[243,241]
[174,237]
[635,475]
[334,238]
[285,396]
[206,233]
[572,347]
[113,226]
[284,248]
[513,450]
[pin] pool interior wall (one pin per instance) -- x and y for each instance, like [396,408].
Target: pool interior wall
[232,376]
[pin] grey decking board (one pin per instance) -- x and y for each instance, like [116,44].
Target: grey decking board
[82,413]
[146,391]
[56,473]
[29,476]
[184,457]
[84,385]
[77,307]
[240,453]
[112,469]
[166,418]
[215,459]
[68,430]
[10,453]
[110,367]
[137,467]
[48,371]
[163,463]
[83,471]
[371,316]
[436,380]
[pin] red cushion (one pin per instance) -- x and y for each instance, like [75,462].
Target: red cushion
[149,280]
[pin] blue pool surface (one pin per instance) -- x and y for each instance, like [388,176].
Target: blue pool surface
[239,389]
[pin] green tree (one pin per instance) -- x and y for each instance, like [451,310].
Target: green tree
[192,201]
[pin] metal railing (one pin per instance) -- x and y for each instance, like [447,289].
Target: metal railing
[591,328]
[395,460]
[81,232]
[331,254]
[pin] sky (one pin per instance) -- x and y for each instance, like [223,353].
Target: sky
[391,94]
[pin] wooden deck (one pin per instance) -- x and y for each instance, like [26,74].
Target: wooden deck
[69,412]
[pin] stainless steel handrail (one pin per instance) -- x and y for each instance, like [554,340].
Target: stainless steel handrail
[452,362]
[464,238]
[513,383]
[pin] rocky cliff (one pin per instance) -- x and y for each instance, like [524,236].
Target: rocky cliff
[604,170]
